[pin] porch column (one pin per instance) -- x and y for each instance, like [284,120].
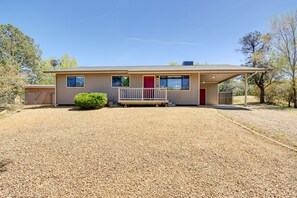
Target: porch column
[198,99]
[245,89]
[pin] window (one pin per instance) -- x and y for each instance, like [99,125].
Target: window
[175,82]
[120,81]
[75,81]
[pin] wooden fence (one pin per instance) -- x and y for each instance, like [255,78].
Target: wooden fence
[225,98]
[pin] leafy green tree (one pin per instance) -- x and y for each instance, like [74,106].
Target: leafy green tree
[284,31]
[257,50]
[19,61]
[286,93]
[236,86]
[66,62]
[199,64]
[19,51]
[173,63]
[11,85]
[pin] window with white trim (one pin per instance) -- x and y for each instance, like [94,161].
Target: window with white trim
[75,81]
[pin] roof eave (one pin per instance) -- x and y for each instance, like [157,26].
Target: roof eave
[260,70]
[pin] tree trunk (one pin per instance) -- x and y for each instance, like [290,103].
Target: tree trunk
[295,97]
[262,94]
[294,89]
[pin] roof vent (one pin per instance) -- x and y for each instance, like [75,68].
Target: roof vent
[188,63]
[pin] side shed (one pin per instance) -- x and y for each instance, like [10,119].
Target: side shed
[40,94]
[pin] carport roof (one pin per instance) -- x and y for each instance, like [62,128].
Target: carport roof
[168,68]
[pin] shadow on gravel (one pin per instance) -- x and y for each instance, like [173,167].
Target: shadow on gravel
[272,107]
[79,109]
[38,107]
[230,107]
[3,164]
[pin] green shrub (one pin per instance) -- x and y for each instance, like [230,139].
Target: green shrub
[90,100]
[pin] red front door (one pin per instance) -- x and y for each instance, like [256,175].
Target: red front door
[202,96]
[148,84]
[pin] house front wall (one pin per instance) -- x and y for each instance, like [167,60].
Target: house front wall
[211,93]
[95,82]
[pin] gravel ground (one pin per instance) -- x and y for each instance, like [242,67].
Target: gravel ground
[155,152]
[276,122]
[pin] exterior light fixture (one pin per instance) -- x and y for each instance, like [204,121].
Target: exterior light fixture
[213,76]
[203,82]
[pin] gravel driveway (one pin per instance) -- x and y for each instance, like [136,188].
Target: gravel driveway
[276,122]
[156,152]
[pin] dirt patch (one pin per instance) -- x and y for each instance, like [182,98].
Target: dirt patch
[156,152]
[240,100]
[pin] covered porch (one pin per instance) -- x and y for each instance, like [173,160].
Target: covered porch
[142,96]
[200,88]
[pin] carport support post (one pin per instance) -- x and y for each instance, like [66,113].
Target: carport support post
[245,89]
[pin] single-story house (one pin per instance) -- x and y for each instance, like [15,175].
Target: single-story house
[181,85]
[39,94]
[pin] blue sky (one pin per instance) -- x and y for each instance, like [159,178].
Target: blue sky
[142,32]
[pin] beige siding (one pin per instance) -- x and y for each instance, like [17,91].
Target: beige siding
[211,93]
[39,96]
[93,83]
[102,83]
[186,97]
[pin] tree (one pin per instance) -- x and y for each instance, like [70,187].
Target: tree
[257,51]
[19,60]
[173,63]
[66,61]
[200,64]
[284,31]
[236,86]
[286,93]
[11,85]
[19,51]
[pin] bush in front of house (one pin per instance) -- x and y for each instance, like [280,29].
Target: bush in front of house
[90,100]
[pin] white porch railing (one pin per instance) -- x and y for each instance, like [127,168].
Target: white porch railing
[142,94]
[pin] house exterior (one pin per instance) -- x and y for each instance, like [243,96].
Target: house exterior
[181,85]
[39,94]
